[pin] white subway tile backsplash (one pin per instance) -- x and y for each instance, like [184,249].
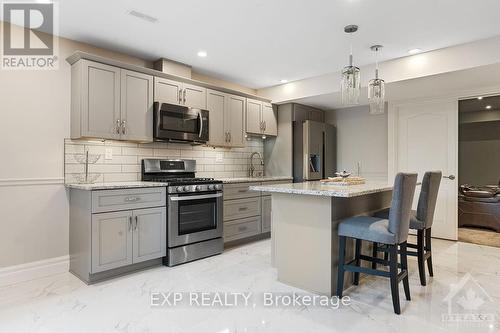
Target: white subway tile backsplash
[126,162]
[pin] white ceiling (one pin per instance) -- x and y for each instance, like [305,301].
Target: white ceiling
[259,42]
[464,84]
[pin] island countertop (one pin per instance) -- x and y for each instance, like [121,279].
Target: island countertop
[114,185]
[318,189]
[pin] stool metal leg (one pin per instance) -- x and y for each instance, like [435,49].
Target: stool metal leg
[404,267]
[374,254]
[357,253]
[428,249]
[393,268]
[340,274]
[421,256]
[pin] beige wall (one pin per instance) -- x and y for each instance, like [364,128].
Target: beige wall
[34,120]
[362,138]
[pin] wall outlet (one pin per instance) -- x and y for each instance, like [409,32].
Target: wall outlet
[108,154]
[219,158]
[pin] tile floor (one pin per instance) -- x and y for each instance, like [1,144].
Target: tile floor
[62,303]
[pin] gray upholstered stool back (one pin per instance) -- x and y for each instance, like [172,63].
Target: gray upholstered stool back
[428,197]
[402,198]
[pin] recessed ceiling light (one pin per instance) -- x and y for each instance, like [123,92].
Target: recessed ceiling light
[284,81]
[202,54]
[480,98]
[488,107]
[143,16]
[414,51]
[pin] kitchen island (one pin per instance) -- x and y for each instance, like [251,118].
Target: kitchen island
[304,229]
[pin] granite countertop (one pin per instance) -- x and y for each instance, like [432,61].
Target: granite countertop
[319,189]
[113,186]
[254,179]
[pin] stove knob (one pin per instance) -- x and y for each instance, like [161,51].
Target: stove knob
[180,189]
[171,190]
[211,187]
[198,188]
[218,187]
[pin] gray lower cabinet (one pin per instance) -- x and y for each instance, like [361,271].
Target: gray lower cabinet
[115,231]
[111,240]
[266,213]
[150,234]
[246,213]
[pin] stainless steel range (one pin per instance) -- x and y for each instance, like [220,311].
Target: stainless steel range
[194,210]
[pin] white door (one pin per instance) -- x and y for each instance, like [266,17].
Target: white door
[426,138]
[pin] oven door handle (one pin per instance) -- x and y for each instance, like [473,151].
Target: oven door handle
[201,124]
[196,197]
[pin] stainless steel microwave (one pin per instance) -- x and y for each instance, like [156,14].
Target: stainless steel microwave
[179,123]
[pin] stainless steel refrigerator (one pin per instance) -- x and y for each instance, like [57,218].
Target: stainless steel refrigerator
[314,150]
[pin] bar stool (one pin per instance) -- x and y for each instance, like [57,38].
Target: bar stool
[420,220]
[391,232]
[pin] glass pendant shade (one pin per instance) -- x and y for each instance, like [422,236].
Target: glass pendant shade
[376,96]
[350,85]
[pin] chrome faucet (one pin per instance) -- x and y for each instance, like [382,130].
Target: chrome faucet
[251,170]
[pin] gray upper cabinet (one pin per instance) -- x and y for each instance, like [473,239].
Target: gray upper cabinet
[216,106]
[136,106]
[254,116]
[261,118]
[269,119]
[194,96]
[305,112]
[178,93]
[150,234]
[95,100]
[168,91]
[110,103]
[111,240]
[235,119]
[226,119]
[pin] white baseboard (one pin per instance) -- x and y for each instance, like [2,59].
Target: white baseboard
[33,270]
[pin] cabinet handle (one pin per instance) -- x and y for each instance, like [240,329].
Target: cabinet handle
[229,134]
[241,209]
[243,191]
[225,137]
[124,127]
[265,125]
[132,199]
[184,94]
[136,221]
[179,95]
[117,127]
[242,228]
[130,223]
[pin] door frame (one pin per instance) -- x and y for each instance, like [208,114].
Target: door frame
[392,120]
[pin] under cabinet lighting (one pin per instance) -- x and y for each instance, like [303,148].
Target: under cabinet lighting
[488,107]
[480,98]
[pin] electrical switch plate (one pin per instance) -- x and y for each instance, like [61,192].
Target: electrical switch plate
[108,154]
[219,158]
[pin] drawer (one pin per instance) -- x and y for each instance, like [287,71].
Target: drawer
[124,199]
[243,228]
[275,182]
[241,208]
[238,191]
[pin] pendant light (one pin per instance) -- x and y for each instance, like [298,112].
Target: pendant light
[376,88]
[350,85]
